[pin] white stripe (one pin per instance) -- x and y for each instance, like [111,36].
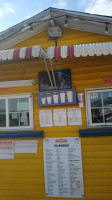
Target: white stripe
[10,54]
[63,51]
[4,55]
[36,51]
[22,53]
[50,52]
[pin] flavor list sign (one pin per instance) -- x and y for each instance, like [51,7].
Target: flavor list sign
[63,167]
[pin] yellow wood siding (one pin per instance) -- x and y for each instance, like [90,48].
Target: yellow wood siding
[69,37]
[22,178]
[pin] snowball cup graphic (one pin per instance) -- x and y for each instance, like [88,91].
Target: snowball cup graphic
[55,98]
[43,100]
[70,96]
[80,99]
[62,97]
[49,100]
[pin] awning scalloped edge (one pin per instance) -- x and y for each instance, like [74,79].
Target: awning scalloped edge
[70,51]
[22,53]
[84,50]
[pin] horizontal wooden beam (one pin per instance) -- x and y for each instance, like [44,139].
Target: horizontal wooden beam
[95,132]
[20,135]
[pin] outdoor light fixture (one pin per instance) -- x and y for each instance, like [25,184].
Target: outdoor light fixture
[19,83]
[106,29]
[31,28]
[52,22]
[66,21]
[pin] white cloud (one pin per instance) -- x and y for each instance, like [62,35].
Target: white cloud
[6,9]
[1,13]
[28,15]
[101,7]
[31,14]
[60,4]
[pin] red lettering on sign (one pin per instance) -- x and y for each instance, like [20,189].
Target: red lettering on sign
[107,81]
[6,90]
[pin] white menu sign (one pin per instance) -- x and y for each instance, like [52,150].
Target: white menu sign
[63,167]
[74,116]
[59,116]
[45,117]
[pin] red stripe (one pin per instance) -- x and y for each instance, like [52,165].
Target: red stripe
[16,53]
[70,51]
[28,52]
[57,52]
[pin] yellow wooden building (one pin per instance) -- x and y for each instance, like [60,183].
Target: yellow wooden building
[85,49]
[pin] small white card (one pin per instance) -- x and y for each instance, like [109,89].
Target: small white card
[94,95]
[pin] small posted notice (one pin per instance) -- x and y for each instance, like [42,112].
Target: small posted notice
[25,146]
[6,149]
[63,167]
[45,117]
[59,117]
[74,116]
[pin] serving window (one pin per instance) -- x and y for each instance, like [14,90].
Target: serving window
[99,107]
[16,112]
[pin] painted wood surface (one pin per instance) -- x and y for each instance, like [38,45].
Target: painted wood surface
[23,177]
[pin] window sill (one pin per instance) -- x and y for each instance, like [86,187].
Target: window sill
[17,129]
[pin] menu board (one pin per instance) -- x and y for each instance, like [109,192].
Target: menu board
[63,167]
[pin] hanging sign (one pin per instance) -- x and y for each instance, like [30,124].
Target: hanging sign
[63,167]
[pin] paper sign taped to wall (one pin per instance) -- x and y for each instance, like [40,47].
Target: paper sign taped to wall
[59,117]
[6,149]
[74,116]
[45,117]
[25,146]
[63,167]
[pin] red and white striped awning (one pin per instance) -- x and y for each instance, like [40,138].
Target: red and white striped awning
[56,52]
[22,53]
[80,50]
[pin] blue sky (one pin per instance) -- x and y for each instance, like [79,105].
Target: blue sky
[15,11]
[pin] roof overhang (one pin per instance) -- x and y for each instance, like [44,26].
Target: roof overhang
[42,21]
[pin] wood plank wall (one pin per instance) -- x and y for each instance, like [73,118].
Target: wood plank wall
[69,37]
[23,177]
